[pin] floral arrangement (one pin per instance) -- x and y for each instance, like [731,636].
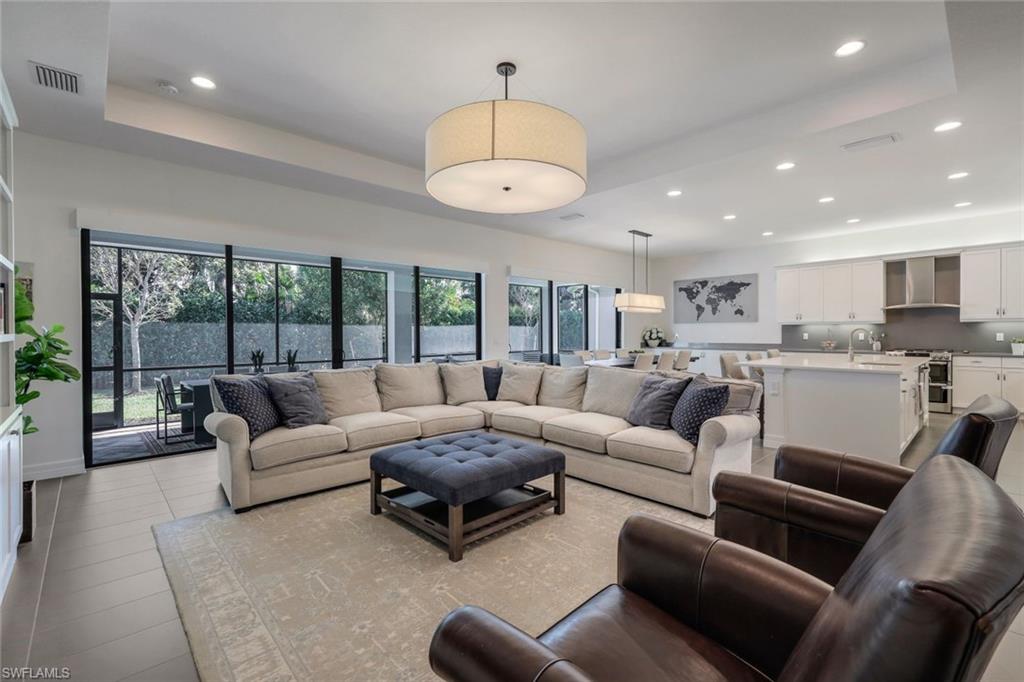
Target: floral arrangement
[653,336]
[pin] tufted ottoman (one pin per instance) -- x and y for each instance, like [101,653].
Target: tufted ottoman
[464,486]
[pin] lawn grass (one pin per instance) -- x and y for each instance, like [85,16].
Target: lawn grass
[139,408]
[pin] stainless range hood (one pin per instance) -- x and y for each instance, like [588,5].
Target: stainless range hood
[923,282]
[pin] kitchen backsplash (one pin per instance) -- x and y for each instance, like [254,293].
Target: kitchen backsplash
[932,328]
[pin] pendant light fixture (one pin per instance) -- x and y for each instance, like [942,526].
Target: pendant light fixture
[506,155]
[633,301]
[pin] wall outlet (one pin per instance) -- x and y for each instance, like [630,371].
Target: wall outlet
[1000,336]
[860,336]
[806,336]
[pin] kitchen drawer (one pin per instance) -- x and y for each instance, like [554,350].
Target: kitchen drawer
[978,361]
[1013,363]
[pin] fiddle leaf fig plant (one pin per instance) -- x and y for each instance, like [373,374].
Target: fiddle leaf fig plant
[40,359]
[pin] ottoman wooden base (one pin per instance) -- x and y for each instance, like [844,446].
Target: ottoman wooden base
[456,526]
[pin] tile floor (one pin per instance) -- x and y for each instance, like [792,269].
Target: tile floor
[90,591]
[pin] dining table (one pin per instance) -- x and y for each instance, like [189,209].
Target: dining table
[626,362]
[197,392]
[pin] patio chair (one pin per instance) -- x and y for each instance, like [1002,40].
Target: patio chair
[167,404]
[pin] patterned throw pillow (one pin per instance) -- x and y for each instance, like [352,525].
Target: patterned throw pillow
[492,380]
[655,401]
[249,398]
[297,399]
[701,401]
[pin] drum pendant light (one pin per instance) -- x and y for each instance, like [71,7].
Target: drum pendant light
[634,301]
[506,155]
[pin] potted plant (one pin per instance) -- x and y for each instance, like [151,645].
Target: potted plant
[653,336]
[256,358]
[292,357]
[1017,345]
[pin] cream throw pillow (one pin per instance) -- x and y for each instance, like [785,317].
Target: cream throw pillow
[463,383]
[409,385]
[347,391]
[520,382]
[611,391]
[563,387]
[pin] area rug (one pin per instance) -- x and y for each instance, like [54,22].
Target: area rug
[316,588]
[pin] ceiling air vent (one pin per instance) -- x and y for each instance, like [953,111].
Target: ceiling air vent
[58,79]
[871,142]
[571,216]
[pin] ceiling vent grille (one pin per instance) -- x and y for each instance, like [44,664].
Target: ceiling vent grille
[871,142]
[58,79]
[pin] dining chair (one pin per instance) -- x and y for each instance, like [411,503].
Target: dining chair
[644,361]
[667,360]
[602,354]
[585,354]
[756,373]
[682,360]
[570,360]
[774,353]
[730,365]
[622,353]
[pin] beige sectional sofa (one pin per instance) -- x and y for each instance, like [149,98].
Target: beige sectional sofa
[580,411]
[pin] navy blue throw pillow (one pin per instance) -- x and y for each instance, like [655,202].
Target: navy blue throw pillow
[702,400]
[249,398]
[492,380]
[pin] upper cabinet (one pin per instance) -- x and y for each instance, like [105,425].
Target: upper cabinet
[837,293]
[992,284]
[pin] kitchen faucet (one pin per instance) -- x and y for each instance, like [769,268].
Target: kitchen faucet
[858,329]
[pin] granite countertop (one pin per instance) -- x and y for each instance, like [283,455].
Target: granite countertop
[865,363]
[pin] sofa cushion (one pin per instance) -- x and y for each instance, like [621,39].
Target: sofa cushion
[283,445]
[348,391]
[297,399]
[463,382]
[437,419]
[702,400]
[610,390]
[563,387]
[409,385]
[658,447]
[585,430]
[653,404]
[489,407]
[527,420]
[520,382]
[249,398]
[492,381]
[373,429]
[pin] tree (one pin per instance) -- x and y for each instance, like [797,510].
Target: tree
[524,310]
[151,287]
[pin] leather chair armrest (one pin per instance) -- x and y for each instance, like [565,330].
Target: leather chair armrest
[473,645]
[855,478]
[754,605]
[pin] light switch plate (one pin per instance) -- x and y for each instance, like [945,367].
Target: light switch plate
[806,336]
[1000,336]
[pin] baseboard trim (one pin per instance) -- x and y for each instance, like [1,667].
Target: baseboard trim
[63,467]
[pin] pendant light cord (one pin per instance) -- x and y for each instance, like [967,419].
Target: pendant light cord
[633,282]
[647,265]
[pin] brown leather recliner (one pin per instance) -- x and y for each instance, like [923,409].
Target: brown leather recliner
[823,505]
[928,598]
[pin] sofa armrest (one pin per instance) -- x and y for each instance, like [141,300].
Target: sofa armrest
[473,645]
[728,429]
[814,531]
[855,478]
[754,605]
[234,466]
[725,443]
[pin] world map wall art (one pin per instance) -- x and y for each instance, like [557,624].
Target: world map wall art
[715,299]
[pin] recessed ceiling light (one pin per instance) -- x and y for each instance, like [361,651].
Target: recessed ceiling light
[729,217]
[852,221]
[957,176]
[947,126]
[962,204]
[674,192]
[850,48]
[203,82]
[826,200]
[786,165]
[767,234]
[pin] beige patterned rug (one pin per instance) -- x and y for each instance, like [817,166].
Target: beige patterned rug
[317,589]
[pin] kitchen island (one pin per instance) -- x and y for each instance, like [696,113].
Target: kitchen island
[872,406]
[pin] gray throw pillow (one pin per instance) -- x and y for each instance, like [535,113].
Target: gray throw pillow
[249,398]
[702,400]
[653,404]
[297,399]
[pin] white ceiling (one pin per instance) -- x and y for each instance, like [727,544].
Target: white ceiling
[704,97]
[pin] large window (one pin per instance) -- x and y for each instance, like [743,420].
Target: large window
[447,315]
[525,318]
[571,315]
[364,317]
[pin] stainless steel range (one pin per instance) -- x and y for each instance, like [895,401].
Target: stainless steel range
[940,377]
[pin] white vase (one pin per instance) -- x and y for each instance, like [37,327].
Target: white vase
[653,343]
[1018,348]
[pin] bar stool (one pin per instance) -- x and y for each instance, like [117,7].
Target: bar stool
[730,365]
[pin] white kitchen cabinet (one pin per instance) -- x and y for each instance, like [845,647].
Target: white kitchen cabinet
[1013,385]
[975,376]
[839,293]
[811,295]
[10,502]
[867,291]
[992,284]
[787,296]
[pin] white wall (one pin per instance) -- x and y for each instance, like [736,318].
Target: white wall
[765,257]
[57,181]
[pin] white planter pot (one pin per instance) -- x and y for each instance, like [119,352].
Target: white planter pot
[1018,348]
[653,343]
